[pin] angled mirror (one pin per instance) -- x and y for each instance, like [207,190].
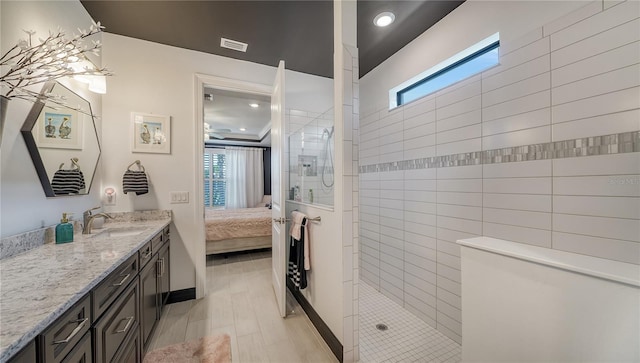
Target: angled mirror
[62,140]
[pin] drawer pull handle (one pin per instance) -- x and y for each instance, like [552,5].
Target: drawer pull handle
[126,327]
[124,278]
[148,254]
[159,268]
[75,331]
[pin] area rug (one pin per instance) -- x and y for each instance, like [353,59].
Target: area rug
[211,349]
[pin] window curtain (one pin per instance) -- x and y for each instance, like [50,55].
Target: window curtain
[245,177]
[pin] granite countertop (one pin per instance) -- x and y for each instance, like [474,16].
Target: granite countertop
[39,285]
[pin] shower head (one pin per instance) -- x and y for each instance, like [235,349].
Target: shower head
[326,131]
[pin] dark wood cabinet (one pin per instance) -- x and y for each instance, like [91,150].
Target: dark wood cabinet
[148,299]
[26,355]
[115,321]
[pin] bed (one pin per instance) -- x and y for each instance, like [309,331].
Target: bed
[232,230]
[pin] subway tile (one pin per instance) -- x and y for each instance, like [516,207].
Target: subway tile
[391,157]
[422,229]
[391,291]
[460,94]
[419,141]
[450,311]
[450,238]
[425,292]
[518,169]
[458,85]
[531,236]
[530,202]
[391,269]
[420,196]
[420,240]
[449,273]
[449,260]
[420,207]
[391,117]
[449,333]
[450,285]
[419,174]
[450,248]
[458,147]
[416,260]
[518,78]
[387,251]
[411,248]
[535,135]
[422,106]
[426,272]
[391,184]
[612,249]
[458,224]
[613,38]
[511,45]
[615,207]
[623,100]
[451,324]
[429,219]
[610,3]
[460,185]
[419,120]
[462,120]
[528,103]
[614,228]
[573,17]
[422,313]
[391,223]
[521,121]
[458,108]
[426,185]
[615,123]
[459,211]
[457,198]
[612,81]
[540,220]
[463,133]
[449,298]
[460,172]
[517,185]
[422,152]
[627,163]
[624,56]
[595,24]
[522,55]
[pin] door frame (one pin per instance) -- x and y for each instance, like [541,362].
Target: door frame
[227,84]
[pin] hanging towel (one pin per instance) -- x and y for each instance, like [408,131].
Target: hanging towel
[135,182]
[296,232]
[297,252]
[66,182]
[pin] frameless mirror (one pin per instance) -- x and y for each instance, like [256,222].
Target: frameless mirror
[62,140]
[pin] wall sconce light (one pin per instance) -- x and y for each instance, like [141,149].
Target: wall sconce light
[110,196]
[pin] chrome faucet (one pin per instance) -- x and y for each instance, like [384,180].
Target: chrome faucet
[88,217]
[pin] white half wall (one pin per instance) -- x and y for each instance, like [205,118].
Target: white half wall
[24,206]
[159,79]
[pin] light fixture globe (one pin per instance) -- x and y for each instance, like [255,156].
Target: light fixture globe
[384,19]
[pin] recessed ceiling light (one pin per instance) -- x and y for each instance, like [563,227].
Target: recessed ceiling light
[384,19]
[243,129]
[254,105]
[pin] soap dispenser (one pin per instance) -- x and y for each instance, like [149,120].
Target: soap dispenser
[64,230]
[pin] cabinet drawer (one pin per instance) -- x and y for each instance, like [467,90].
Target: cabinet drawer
[109,289]
[145,254]
[167,233]
[26,355]
[156,242]
[130,352]
[113,329]
[60,337]
[82,352]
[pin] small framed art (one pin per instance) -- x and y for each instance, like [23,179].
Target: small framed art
[150,133]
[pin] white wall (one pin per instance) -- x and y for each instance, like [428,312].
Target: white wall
[156,78]
[24,205]
[468,24]
[563,75]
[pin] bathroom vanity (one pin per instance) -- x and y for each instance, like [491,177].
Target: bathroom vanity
[97,299]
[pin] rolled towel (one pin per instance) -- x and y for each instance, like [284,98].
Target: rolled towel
[66,182]
[135,182]
[296,224]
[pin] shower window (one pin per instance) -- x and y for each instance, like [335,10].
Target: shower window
[311,158]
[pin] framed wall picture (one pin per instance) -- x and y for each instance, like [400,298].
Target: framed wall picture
[59,129]
[150,133]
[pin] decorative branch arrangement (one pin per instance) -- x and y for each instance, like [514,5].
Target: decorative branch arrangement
[55,57]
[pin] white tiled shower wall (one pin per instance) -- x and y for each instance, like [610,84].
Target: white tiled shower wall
[576,77]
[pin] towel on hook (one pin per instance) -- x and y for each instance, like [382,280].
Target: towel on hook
[135,182]
[296,232]
[67,182]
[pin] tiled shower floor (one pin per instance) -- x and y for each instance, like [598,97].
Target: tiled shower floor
[408,339]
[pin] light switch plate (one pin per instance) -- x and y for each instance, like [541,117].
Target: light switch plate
[179,197]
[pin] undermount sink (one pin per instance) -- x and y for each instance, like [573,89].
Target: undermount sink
[121,232]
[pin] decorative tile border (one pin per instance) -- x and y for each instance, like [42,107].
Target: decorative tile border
[588,146]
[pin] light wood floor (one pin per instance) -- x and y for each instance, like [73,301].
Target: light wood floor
[240,302]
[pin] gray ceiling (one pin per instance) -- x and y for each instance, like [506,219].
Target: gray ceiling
[300,32]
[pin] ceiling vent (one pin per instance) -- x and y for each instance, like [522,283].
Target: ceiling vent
[232,44]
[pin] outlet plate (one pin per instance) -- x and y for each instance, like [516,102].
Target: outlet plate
[179,197]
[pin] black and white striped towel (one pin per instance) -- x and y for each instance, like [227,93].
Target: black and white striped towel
[135,182]
[67,182]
